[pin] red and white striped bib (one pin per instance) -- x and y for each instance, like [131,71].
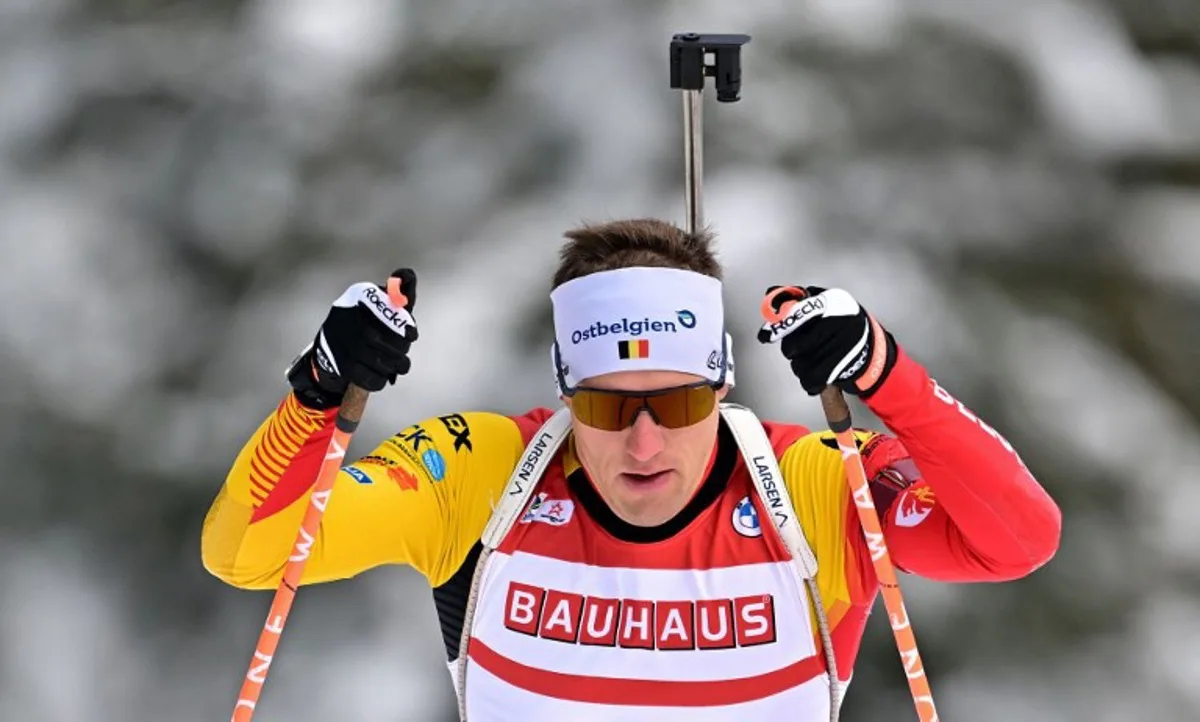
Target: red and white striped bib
[710,624]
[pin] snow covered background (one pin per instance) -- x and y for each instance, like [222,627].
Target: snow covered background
[1013,187]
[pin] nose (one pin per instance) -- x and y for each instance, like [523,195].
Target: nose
[645,439]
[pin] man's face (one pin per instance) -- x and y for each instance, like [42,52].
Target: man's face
[646,473]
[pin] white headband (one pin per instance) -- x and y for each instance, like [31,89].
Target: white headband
[639,319]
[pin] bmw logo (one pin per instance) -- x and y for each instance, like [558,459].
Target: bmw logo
[745,518]
[687,319]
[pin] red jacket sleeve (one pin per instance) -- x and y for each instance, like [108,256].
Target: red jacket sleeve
[976,513]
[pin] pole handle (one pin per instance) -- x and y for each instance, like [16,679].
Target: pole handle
[354,405]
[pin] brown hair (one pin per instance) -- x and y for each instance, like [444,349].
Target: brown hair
[592,248]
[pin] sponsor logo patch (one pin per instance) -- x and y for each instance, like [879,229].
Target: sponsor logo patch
[716,360]
[456,425]
[416,436]
[640,623]
[555,512]
[914,506]
[434,463]
[532,454]
[800,312]
[634,327]
[357,474]
[403,449]
[372,459]
[397,318]
[774,502]
[745,518]
[404,478]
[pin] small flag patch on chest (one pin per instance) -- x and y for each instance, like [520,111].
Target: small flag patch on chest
[638,348]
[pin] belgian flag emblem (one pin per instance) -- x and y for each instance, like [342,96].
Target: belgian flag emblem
[638,348]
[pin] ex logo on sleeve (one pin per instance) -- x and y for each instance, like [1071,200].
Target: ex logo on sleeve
[458,428]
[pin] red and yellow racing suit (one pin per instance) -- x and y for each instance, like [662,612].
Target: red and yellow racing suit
[956,502]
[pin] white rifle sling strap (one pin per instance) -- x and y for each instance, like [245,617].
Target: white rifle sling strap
[772,491]
[764,471]
[540,451]
[760,459]
[524,480]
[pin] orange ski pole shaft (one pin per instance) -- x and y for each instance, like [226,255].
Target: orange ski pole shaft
[348,417]
[349,414]
[837,415]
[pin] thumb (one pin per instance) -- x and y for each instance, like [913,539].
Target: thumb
[407,278]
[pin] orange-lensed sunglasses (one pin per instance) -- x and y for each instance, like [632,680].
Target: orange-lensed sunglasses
[671,408]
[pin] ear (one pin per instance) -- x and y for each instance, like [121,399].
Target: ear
[566,400]
[722,393]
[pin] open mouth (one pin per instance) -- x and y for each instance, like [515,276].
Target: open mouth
[646,480]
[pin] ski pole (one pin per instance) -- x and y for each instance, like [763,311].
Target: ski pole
[837,415]
[349,414]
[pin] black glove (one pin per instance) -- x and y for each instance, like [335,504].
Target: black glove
[829,339]
[364,341]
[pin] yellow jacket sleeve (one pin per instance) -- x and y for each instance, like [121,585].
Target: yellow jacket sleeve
[816,479]
[421,498]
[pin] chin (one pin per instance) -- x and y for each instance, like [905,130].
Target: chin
[649,514]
